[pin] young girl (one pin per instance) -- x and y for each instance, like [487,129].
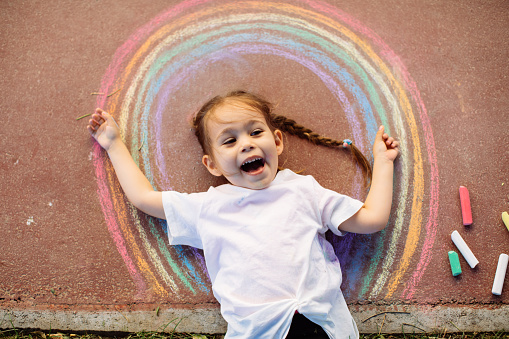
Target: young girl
[263,235]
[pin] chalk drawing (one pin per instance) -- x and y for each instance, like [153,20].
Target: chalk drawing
[30,221]
[365,76]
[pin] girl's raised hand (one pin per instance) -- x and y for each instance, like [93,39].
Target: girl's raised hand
[385,146]
[103,128]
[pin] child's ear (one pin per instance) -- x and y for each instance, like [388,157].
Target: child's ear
[278,136]
[211,165]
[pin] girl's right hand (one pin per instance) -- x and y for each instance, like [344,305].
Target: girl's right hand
[136,186]
[103,128]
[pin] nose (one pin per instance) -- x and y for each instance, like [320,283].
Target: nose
[247,147]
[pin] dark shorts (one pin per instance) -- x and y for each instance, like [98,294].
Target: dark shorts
[302,327]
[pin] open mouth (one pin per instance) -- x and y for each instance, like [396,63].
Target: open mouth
[252,165]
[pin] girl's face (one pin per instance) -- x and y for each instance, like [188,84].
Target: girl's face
[244,149]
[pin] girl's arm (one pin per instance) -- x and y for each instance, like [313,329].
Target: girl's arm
[374,214]
[136,186]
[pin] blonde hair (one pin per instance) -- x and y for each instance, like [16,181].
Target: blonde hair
[274,122]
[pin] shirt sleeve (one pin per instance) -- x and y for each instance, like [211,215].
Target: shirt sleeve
[335,207]
[182,212]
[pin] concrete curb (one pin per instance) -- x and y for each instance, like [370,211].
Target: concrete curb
[369,318]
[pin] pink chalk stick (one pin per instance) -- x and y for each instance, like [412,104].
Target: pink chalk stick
[466,210]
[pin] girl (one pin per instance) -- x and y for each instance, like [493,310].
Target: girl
[263,235]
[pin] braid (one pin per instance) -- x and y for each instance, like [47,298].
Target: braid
[292,127]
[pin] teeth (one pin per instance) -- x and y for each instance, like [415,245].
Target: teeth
[250,161]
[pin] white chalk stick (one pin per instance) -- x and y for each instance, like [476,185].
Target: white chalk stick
[464,249]
[498,282]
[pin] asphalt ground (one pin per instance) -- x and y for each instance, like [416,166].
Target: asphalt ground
[434,73]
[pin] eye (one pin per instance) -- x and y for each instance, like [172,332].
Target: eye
[256,132]
[229,141]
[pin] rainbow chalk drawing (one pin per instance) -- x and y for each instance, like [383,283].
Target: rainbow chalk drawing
[363,74]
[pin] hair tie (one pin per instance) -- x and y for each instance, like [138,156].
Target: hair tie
[346,142]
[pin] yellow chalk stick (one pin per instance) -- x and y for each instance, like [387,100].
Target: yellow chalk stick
[505,219]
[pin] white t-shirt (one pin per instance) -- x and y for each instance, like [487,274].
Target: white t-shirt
[266,252]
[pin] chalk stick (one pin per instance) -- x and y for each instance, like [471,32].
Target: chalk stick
[454,260]
[464,249]
[498,282]
[466,210]
[505,219]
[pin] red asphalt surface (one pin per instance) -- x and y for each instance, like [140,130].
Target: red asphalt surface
[55,247]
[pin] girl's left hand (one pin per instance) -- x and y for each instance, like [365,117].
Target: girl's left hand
[385,146]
